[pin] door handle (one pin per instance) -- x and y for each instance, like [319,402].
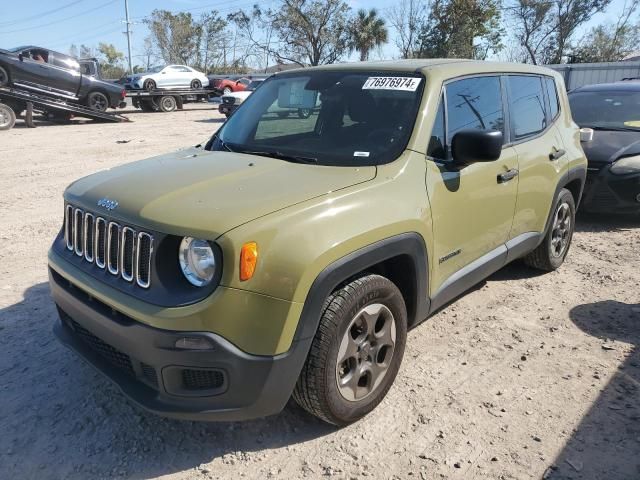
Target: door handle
[508,175]
[556,154]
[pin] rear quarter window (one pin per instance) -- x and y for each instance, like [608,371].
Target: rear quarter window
[552,94]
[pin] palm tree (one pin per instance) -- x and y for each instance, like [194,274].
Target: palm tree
[367,31]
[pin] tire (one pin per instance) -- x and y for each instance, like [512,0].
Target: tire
[196,84]
[149,85]
[304,112]
[4,77]
[550,254]
[167,103]
[98,102]
[355,310]
[227,91]
[147,106]
[7,117]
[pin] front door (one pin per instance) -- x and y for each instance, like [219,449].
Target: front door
[33,70]
[472,207]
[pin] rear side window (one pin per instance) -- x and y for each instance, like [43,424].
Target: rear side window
[527,105]
[552,94]
[474,103]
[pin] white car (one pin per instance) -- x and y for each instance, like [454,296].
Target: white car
[231,101]
[170,76]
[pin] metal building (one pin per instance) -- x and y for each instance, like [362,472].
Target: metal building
[579,74]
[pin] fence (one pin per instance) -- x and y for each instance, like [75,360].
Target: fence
[579,74]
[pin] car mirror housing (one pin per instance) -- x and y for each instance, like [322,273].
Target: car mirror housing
[471,146]
[586,135]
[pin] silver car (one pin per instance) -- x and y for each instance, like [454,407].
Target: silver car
[170,76]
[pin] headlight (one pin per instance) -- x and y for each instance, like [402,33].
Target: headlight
[626,165]
[197,261]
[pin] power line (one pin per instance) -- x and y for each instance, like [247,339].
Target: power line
[62,19]
[41,14]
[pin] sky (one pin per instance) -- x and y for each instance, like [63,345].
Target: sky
[56,24]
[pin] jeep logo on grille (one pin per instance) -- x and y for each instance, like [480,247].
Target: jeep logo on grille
[108,204]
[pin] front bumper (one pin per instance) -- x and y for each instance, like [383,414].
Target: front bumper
[228,108]
[605,192]
[221,383]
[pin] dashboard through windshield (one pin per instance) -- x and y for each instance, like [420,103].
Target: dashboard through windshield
[341,118]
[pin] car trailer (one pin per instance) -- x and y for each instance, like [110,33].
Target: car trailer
[13,101]
[165,100]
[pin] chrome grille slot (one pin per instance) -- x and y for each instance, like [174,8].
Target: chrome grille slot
[88,237]
[78,230]
[68,226]
[127,250]
[143,259]
[123,251]
[101,242]
[113,246]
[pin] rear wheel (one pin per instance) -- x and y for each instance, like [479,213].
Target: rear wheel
[167,104]
[196,84]
[149,85]
[147,105]
[98,102]
[550,254]
[304,112]
[356,352]
[226,91]
[4,77]
[7,117]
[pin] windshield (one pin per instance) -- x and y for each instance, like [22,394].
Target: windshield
[615,110]
[156,69]
[326,117]
[253,85]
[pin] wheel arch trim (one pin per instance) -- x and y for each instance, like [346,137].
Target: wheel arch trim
[411,245]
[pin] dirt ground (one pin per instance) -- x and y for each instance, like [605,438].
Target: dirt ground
[526,376]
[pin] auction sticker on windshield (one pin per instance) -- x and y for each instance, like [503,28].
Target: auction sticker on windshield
[408,84]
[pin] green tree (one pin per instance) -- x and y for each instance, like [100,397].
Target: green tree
[176,36]
[611,42]
[461,29]
[310,32]
[110,61]
[367,31]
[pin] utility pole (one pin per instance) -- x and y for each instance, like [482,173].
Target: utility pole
[128,33]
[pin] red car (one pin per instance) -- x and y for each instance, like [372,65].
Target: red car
[224,86]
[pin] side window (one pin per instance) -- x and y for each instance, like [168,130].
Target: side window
[63,61]
[474,103]
[526,105]
[437,142]
[552,94]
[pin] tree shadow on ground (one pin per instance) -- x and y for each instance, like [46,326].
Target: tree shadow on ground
[61,418]
[589,222]
[606,443]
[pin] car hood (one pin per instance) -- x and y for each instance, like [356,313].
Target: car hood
[607,146]
[200,193]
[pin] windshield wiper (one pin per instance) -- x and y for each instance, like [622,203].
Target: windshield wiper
[613,129]
[282,156]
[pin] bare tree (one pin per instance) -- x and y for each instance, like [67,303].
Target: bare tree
[532,26]
[407,18]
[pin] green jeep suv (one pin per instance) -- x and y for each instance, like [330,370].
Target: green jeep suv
[288,257]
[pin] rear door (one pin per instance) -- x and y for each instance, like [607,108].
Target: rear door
[540,148]
[472,209]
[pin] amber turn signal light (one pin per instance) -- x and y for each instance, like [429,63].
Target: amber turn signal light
[248,260]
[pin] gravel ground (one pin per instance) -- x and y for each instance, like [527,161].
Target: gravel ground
[526,376]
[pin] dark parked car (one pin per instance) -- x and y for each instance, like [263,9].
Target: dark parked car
[45,71]
[612,110]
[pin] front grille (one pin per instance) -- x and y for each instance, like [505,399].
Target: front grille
[202,379]
[111,354]
[122,250]
[228,100]
[149,373]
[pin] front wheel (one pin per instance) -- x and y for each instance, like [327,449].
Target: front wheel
[304,112]
[7,117]
[356,352]
[149,85]
[550,254]
[227,90]
[4,77]
[98,102]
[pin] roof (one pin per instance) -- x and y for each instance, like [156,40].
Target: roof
[627,86]
[460,66]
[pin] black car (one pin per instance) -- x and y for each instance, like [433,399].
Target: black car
[45,71]
[612,110]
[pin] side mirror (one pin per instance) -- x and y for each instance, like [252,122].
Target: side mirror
[20,57]
[586,135]
[470,146]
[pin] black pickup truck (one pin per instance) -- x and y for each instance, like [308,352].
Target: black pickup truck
[52,73]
